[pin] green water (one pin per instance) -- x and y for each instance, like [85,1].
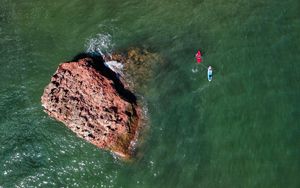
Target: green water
[240,130]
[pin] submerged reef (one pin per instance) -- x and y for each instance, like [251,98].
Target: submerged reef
[139,65]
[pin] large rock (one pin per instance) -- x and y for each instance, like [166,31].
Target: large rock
[90,99]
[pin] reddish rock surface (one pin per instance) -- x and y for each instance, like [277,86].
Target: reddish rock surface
[90,99]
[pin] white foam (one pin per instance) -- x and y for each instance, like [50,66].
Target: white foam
[101,43]
[114,65]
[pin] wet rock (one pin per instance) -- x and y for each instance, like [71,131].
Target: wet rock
[89,99]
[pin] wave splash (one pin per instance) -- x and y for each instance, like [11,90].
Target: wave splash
[101,44]
[115,66]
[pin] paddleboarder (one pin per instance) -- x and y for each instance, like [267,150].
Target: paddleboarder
[198,57]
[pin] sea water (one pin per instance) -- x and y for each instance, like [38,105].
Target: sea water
[240,130]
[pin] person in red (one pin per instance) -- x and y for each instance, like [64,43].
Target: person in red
[198,57]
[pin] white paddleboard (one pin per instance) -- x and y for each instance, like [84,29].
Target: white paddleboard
[209,73]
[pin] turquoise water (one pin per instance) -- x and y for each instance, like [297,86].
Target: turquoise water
[240,130]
